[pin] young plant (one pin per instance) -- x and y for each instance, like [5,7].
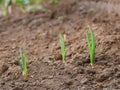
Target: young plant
[4,5]
[27,5]
[37,1]
[23,63]
[63,47]
[91,44]
[54,1]
[23,3]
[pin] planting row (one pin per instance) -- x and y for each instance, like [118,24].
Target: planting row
[91,48]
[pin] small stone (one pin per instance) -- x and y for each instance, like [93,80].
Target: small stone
[50,77]
[47,59]
[84,80]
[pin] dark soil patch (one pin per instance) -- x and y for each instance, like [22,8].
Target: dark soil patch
[37,33]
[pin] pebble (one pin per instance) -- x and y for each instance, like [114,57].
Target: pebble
[83,81]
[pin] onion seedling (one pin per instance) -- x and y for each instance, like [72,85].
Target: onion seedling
[54,1]
[4,5]
[26,5]
[91,44]
[23,64]
[63,47]
[23,4]
[37,1]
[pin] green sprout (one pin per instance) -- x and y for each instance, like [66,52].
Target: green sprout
[91,44]
[4,5]
[54,1]
[27,5]
[23,64]
[63,48]
[38,1]
[23,3]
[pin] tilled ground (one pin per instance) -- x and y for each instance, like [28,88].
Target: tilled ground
[37,33]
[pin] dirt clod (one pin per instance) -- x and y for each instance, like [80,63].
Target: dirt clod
[3,67]
[105,75]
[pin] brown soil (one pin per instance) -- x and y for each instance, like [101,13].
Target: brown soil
[37,33]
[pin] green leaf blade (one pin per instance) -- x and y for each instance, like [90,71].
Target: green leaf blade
[63,48]
[91,44]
